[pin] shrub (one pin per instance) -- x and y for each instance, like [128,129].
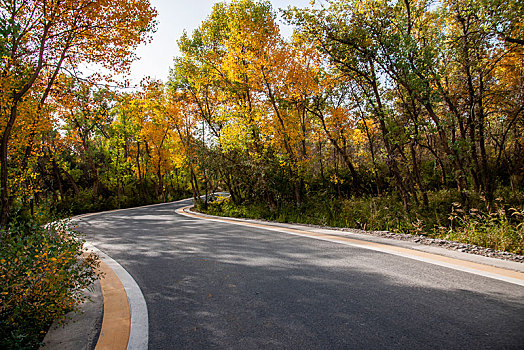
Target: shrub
[42,273]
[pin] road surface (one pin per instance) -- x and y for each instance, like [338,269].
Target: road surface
[213,285]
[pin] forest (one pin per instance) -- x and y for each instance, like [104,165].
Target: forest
[405,116]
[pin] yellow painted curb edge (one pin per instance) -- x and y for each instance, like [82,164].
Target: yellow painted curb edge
[116,323]
[498,273]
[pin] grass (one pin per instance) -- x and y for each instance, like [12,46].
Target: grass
[499,225]
[499,229]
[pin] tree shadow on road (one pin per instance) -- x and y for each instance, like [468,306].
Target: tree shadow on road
[217,285]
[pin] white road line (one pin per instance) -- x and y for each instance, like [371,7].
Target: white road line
[139,333]
[384,249]
[82,216]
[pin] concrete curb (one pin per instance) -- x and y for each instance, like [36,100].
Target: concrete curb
[116,323]
[126,324]
[502,270]
[116,317]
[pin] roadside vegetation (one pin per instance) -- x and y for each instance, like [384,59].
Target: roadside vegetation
[500,227]
[405,116]
[43,271]
[49,162]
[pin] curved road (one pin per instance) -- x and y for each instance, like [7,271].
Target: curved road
[214,285]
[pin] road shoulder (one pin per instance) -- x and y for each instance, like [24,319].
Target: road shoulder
[504,270]
[114,317]
[82,328]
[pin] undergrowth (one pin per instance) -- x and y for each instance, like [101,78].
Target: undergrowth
[498,225]
[42,276]
[501,229]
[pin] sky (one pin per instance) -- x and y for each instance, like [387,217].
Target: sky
[174,16]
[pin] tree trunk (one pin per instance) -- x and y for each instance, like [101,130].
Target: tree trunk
[5,199]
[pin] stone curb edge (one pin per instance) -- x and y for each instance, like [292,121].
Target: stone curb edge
[126,326]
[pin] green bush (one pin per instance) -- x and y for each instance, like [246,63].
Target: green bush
[42,273]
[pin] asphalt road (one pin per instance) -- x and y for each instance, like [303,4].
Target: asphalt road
[212,285]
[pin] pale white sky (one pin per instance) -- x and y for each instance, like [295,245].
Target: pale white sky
[174,16]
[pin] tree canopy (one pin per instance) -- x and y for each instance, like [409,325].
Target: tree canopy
[368,98]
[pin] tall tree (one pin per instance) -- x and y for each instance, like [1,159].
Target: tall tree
[45,38]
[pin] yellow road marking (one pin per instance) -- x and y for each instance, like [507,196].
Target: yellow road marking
[485,270]
[116,323]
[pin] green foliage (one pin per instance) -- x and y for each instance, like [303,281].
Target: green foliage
[224,206]
[499,228]
[42,273]
[87,202]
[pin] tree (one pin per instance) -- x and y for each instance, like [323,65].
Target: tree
[46,38]
[425,74]
[86,113]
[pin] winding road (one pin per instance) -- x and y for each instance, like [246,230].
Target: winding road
[219,285]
